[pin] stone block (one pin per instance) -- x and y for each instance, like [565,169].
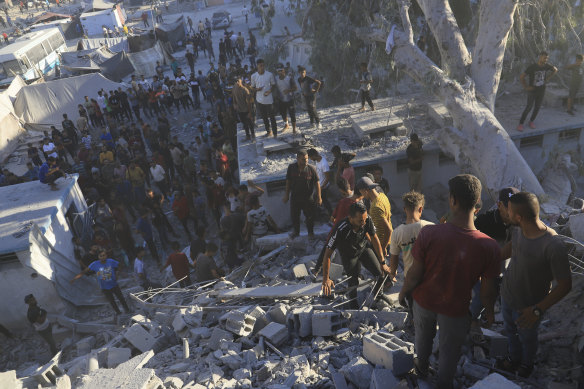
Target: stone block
[239,323]
[385,349]
[85,345]
[300,271]
[139,338]
[300,321]
[358,372]
[278,313]
[326,323]
[383,379]
[335,271]
[217,336]
[115,356]
[338,380]
[8,380]
[261,318]
[495,381]
[275,333]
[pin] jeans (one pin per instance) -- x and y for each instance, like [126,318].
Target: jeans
[247,124]
[308,207]
[47,335]
[522,342]
[534,100]
[453,331]
[267,113]
[352,267]
[311,109]
[325,201]
[109,295]
[287,108]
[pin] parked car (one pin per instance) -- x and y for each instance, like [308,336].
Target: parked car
[221,20]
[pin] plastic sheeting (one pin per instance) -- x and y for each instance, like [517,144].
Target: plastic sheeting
[172,33]
[145,61]
[117,67]
[97,5]
[113,44]
[44,104]
[141,42]
[85,60]
[10,127]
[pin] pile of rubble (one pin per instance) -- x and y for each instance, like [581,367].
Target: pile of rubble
[275,331]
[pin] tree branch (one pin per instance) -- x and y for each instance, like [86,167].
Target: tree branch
[453,50]
[495,23]
[404,8]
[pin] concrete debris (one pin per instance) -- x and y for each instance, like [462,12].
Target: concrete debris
[239,323]
[115,356]
[495,381]
[384,379]
[385,349]
[276,333]
[217,337]
[326,323]
[278,313]
[173,383]
[358,372]
[8,380]
[140,338]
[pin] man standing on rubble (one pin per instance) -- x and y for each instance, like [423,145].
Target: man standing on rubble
[353,237]
[538,78]
[379,210]
[38,318]
[538,256]
[303,191]
[449,259]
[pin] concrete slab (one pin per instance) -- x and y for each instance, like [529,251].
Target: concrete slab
[367,123]
[140,338]
[8,380]
[300,271]
[274,291]
[271,145]
[495,381]
[116,356]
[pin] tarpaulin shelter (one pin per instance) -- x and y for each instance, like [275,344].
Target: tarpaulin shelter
[50,17]
[172,33]
[117,67]
[113,44]
[10,126]
[145,61]
[45,103]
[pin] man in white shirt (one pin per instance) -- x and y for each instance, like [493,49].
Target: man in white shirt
[159,177]
[324,176]
[404,236]
[258,220]
[49,149]
[101,101]
[262,83]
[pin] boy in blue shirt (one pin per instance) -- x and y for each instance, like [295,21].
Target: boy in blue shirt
[105,270]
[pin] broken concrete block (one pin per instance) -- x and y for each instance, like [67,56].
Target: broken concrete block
[335,271]
[180,367]
[115,356]
[398,319]
[300,321]
[47,374]
[239,323]
[139,338]
[473,371]
[338,379]
[497,343]
[300,271]
[217,336]
[178,323]
[385,349]
[358,372]
[242,374]
[63,382]
[200,332]
[275,333]
[495,381]
[85,345]
[162,318]
[278,313]
[261,318]
[326,323]
[194,316]
[8,380]
[92,362]
[384,379]
[232,360]
[173,383]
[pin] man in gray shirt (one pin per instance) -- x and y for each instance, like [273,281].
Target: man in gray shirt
[538,256]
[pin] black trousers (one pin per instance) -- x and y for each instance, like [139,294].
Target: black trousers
[268,116]
[311,109]
[152,247]
[534,100]
[287,108]
[352,267]
[247,124]
[366,96]
[325,201]
[109,295]
[308,207]
[47,335]
[185,282]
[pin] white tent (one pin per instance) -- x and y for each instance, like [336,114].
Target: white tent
[45,103]
[144,62]
[10,126]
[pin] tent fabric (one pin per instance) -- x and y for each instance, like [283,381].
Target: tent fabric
[49,17]
[145,61]
[10,126]
[172,32]
[45,103]
[117,67]
[113,44]
[141,42]
[97,5]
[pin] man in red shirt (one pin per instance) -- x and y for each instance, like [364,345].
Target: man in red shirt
[180,207]
[180,266]
[448,260]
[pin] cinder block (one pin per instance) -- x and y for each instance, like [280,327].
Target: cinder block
[261,318]
[239,323]
[300,321]
[497,343]
[115,356]
[140,338]
[384,379]
[275,333]
[217,336]
[384,349]
[278,313]
[300,271]
[326,323]
[47,375]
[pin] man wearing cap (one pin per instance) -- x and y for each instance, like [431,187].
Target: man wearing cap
[357,243]
[286,87]
[302,187]
[379,210]
[38,318]
[242,102]
[415,156]
[262,82]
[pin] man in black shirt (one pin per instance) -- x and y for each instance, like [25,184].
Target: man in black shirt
[351,237]
[302,186]
[38,318]
[415,156]
[575,81]
[538,77]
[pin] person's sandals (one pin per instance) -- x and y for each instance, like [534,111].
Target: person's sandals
[507,364]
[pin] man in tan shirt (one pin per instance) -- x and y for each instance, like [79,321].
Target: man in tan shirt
[242,101]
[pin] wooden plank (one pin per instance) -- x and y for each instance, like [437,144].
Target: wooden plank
[282,291]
